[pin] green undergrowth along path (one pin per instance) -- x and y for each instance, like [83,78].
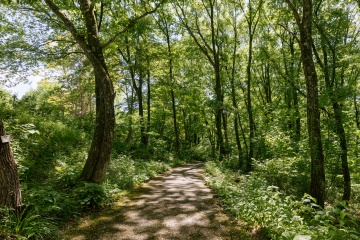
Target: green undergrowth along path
[62,198]
[174,205]
[275,215]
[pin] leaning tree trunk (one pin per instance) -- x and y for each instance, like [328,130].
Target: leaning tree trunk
[10,194]
[101,146]
[88,39]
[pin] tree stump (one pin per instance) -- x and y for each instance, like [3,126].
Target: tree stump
[10,193]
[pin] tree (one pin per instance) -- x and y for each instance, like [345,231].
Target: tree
[100,151]
[164,24]
[304,23]
[334,38]
[210,44]
[232,75]
[136,68]
[10,193]
[252,16]
[83,20]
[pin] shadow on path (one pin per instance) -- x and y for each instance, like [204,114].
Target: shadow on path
[175,205]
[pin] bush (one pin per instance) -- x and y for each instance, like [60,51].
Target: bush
[90,195]
[290,174]
[27,225]
[277,215]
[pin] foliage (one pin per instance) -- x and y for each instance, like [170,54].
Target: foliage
[52,125]
[290,174]
[126,172]
[28,225]
[279,216]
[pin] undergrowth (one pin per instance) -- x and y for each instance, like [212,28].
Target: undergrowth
[62,198]
[274,214]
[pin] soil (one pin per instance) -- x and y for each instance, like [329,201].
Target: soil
[176,205]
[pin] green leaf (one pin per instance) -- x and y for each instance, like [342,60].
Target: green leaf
[302,237]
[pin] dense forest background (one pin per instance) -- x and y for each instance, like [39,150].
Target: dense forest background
[266,92]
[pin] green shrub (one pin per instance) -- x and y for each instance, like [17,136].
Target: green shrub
[279,216]
[90,195]
[27,225]
[290,174]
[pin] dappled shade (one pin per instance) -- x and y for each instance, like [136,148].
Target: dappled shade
[176,205]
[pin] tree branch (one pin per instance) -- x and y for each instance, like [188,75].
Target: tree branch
[132,23]
[295,12]
[80,39]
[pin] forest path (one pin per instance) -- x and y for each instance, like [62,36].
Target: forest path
[174,205]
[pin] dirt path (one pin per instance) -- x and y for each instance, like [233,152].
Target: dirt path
[175,205]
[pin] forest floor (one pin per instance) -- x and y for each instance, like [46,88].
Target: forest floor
[175,205]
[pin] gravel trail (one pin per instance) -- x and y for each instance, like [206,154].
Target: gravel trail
[176,205]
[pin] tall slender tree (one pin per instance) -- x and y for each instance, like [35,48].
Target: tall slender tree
[210,45]
[164,25]
[252,11]
[304,23]
[333,37]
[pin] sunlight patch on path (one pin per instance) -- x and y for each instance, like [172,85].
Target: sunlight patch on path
[175,205]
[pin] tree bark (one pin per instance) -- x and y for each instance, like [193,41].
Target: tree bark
[177,141]
[141,107]
[100,150]
[344,151]
[233,94]
[172,81]
[330,82]
[252,20]
[10,193]
[317,182]
[249,104]
[148,100]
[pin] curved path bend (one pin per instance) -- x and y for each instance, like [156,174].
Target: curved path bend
[176,205]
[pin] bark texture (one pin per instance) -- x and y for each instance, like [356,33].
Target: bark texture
[317,183]
[10,193]
[100,151]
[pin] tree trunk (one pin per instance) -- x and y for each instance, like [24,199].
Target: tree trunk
[233,95]
[249,106]
[252,20]
[212,51]
[226,138]
[130,103]
[357,113]
[297,116]
[339,126]
[330,83]
[177,141]
[304,22]
[10,193]
[100,150]
[148,103]
[344,151]
[317,185]
[172,81]
[141,108]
